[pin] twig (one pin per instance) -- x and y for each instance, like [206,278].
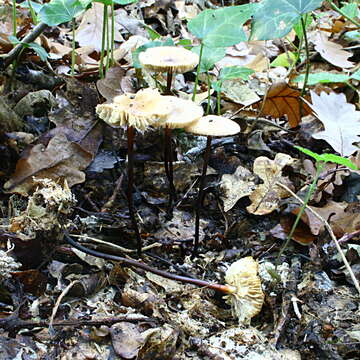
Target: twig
[6,60]
[331,233]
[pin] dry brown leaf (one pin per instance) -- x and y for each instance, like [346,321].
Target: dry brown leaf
[265,198]
[236,186]
[110,86]
[332,52]
[89,32]
[282,100]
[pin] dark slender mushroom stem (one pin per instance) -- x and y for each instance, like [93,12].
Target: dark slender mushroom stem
[169,170]
[168,160]
[130,143]
[199,200]
[218,287]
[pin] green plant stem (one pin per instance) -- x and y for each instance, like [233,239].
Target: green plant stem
[319,168]
[33,14]
[112,32]
[333,5]
[103,39]
[14,17]
[73,43]
[197,73]
[307,70]
[107,43]
[218,99]
[209,93]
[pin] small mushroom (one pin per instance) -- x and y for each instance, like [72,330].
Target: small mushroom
[169,59]
[247,297]
[210,126]
[184,113]
[135,111]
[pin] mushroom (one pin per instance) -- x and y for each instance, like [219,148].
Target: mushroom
[135,111]
[169,59]
[184,113]
[210,125]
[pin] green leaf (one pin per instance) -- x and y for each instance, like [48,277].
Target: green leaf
[152,33]
[298,27]
[323,77]
[36,6]
[283,60]
[339,160]
[314,155]
[14,40]
[150,44]
[356,75]
[59,11]
[275,18]
[216,85]
[210,56]
[328,158]
[221,27]
[351,10]
[39,50]
[85,3]
[235,72]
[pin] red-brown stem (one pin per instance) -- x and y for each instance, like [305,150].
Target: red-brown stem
[218,287]
[200,195]
[130,143]
[168,82]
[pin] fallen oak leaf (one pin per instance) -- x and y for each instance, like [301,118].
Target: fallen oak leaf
[340,119]
[266,197]
[332,52]
[282,100]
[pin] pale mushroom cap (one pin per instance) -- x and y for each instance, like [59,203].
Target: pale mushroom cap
[168,58]
[146,107]
[183,113]
[247,297]
[213,125]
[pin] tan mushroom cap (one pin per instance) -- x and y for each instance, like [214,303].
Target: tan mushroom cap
[146,107]
[183,113]
[168,58]
[213,125]
[247,297]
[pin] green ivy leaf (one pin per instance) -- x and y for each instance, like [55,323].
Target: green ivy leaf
[59,11]
[221,27]
[323,77]
[235,72]
[328,158]
[150,44]
[39,50]
[210,56]
[275,18]
[36,6]
[351,9]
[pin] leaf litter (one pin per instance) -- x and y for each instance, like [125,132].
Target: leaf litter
[64,171]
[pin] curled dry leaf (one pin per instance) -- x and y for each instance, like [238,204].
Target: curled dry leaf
[247,299]
[282,100]
[236,186]
[265,198]
[332,52]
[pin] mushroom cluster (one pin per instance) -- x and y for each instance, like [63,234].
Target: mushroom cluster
[139,111]
[149,108]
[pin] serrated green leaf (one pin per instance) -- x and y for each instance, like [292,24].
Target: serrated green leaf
[310,153]
[150,44]
[275,18]
[339,160]
[323,77]
[59,11]
[39,50]
[221,27]
[285,59]
[210,56]
[336,159]
[235,72]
